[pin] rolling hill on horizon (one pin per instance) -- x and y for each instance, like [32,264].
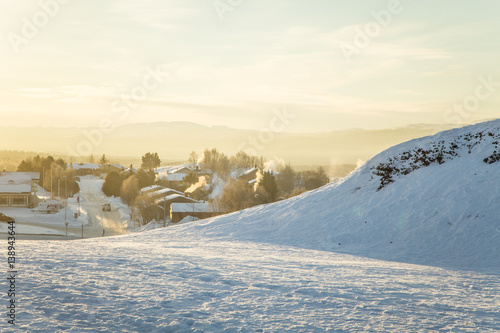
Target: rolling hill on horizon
[174,141]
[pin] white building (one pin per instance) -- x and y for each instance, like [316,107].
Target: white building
[18,189]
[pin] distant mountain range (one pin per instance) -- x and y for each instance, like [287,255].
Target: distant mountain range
[175,141]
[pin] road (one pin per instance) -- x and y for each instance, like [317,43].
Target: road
[91,199]
[101,223]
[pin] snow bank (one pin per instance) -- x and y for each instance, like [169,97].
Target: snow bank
[188,219]
[32,230]
[150,226]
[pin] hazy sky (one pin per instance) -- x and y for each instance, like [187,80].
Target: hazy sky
[332,64]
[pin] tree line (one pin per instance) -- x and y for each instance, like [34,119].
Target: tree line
[269,187]
[54,173]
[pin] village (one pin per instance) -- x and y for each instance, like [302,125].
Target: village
[108,198]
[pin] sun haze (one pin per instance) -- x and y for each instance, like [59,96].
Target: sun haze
[333,64]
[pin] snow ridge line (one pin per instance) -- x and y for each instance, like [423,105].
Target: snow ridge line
[440,152]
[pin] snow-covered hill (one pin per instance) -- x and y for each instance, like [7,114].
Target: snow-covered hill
[432,201]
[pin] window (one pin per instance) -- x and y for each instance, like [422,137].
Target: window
[4,200]
[19,200]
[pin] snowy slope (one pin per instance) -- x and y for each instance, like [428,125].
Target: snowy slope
[155,282]
[441,206]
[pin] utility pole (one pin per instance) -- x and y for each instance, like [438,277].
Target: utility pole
[51,193]
[66,201]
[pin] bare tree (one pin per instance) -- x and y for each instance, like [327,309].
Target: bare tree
[129,190]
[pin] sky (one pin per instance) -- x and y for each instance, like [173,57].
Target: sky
[326,65]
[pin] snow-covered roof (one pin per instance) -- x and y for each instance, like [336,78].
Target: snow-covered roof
[164,191]
[173,168]
[173,173]
[172,197]
[151,188]
[94,166]
[249,171]
[176,177]
[192,207]
[84,166]
[18,176]
[119,166]
[183,168]
[17,182]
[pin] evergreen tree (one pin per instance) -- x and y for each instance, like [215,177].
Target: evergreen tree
[190,179]
[103,161]
[112,185]
[145,178]
[150,161]
[267,188]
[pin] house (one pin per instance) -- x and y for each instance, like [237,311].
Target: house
[249,175]
[181,170]
[178,175]
[167,201]
[175,173]
[179,211]
[163,192]
[151,188]
[83,169]
[18,189]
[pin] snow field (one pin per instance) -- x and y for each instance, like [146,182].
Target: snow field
[165,284]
